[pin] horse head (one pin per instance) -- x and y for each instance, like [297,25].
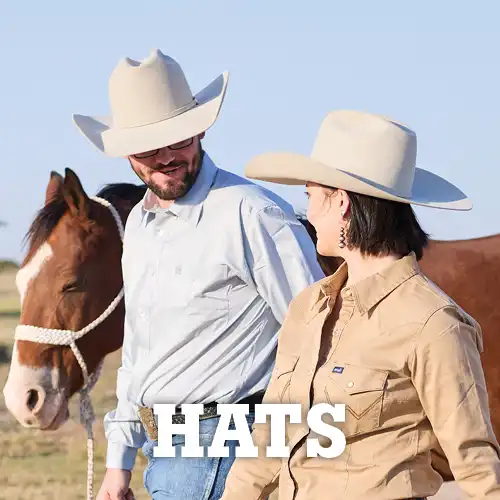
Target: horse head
[70,284]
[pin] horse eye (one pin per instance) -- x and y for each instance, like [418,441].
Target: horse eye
[72,286]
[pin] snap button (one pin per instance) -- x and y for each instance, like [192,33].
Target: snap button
[350,384]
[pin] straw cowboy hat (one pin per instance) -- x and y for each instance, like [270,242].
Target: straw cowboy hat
[152,106]
[363,153]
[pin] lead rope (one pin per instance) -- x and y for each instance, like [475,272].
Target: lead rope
[87,419]
[68,338]
[87,415]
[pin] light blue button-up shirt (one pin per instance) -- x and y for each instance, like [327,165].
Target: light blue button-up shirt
[207,285]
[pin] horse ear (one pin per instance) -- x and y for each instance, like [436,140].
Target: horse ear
[74,194]
[54,187]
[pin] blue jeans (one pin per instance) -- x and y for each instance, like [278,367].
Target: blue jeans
[188,478]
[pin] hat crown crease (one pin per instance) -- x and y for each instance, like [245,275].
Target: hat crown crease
[159,88]
[375,148]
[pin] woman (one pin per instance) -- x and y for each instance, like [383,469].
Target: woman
[376,336]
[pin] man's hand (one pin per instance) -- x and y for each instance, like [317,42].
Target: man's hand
[115,485]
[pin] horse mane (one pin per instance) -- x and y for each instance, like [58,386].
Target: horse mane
[122,191]
[43,224]
[49,215]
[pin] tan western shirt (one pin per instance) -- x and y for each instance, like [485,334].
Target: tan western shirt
[405,360]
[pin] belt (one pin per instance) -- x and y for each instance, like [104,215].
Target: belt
[147,417]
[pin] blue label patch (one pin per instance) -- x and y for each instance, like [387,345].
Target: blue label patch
[338,369]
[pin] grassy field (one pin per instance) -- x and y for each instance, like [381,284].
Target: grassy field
[46,465]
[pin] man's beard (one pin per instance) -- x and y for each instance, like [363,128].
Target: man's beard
[177,187]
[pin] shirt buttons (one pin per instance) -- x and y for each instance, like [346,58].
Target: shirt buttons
[350,384]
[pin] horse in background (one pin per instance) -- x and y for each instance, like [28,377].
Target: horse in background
[73,268]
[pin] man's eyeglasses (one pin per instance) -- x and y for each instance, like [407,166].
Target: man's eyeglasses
[178,145]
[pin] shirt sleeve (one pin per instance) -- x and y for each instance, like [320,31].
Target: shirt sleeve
[280,255]
[448,376]
[122,427]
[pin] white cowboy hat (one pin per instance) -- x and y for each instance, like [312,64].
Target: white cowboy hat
[152,107]
[363,153]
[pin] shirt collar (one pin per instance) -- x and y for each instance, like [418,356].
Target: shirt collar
[329,287]
[187,208]
[369,292]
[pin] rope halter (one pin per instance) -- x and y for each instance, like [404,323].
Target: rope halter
[68,338]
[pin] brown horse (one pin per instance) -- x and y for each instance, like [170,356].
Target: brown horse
[82,275]
[70,275]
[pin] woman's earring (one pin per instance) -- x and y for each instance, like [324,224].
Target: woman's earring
[342,238]
[342,233]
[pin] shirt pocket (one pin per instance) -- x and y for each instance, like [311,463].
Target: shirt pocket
[208,289]
[284,369]
[362,390]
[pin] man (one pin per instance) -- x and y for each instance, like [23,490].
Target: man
[210,264]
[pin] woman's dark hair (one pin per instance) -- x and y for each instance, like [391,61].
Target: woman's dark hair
[380,227]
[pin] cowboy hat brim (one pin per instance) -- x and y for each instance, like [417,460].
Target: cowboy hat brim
[429,189]
[127,141]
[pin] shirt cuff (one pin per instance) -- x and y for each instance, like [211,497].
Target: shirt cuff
[120,456]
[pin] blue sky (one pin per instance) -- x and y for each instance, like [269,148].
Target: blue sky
[431,64]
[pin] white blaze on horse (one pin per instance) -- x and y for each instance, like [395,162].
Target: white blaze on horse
[32,268]
[33,378]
